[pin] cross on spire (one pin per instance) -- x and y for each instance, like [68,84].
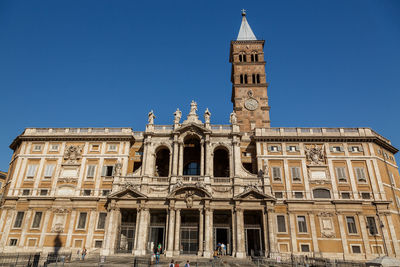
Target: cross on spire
[243,12]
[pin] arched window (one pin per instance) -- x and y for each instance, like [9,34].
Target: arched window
[321,193]
[244,58]
[252,57]
[258,78]
[241,78]
[253,77]
[191,157]
[162,163]
[221,163]
[245,78]
[240,58]
[256,57]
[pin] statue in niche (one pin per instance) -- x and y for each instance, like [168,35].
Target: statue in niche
[207,115]
[177,116]
[118,168]
[233,118]
[315,155]
[73,153]
[189,199]
[151,117]
[193,108]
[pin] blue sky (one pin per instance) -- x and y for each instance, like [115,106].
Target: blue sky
[107,63]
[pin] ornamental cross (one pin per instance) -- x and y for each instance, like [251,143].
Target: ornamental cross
[243,11]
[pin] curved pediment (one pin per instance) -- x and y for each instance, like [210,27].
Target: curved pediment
[127,193]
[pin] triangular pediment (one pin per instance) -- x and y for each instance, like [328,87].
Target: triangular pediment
[253,194]
[127,193]
[192,127]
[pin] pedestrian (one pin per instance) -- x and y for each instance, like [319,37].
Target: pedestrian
[187,264]
[78,254]
[223,249]
[158,256]
[84,251]
[172,264]
[216,254]
[177,264]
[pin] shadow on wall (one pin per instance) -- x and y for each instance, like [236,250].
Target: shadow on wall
[57,244]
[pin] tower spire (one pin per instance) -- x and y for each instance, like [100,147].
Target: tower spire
[245,32]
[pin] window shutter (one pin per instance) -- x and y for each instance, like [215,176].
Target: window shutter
[31,170]
[331,148]
[49,171]
[341,149]
[287,148]
[104,171]
[350,149]
[361,148]
[269,148]
[113,170]
[297,148]
[279,148]
[90,171]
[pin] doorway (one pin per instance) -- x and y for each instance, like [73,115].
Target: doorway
[156,238]
[222,235]
[189,232]
[253,242]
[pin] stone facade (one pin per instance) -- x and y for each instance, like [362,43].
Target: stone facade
[330,192]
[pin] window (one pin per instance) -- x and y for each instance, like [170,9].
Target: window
[48,171]
[355,149]
[193,168]
[31,171]
[37,219]
[391,177]
[292,148]
[90,171]
[377,249]
[82,220]
[98,243]
[37,148]
[13,241]
[356,249]
[105,193]
[281,222]
[371,225]
[321,193]
[295,173]
[345,195]
[351,225]
[301,224]
[379,152]
[108,171]
[243,78]
[360,174]
[101,223]
[43,192]
[54,148]
[276,173]
[112,147]
[18,219]
[94,147]
[25,192]
[341,174]
[336,149]
[305,248]
[138,153]
[87,192]
[274,148]
[365,195]
[278,194]
[298,194]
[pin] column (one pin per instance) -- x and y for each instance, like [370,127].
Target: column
[201,232]
[293,235]
[180,159]
[208,252]
[137,224]
[177,231]
[240,249]
[289,193]
[364,234]
[202,158]
[111,231]
[91,227]
[352,179]
[393,235]
[44,228]
[272,230]
[385,233]
[208,157]
[313,233]
[175,159]
[6,229]
[70,227]
[234,232]
[25,227]
[265,230]
[171,226]
[143,232]
[343,237]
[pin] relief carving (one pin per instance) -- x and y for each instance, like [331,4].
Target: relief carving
[73,153]
[315,155]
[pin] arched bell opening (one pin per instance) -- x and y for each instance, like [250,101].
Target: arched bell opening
[191,156]
[162,162]
[221,162]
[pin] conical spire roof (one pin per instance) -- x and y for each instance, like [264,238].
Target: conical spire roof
[245,32]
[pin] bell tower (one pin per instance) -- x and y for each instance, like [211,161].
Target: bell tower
[249,85]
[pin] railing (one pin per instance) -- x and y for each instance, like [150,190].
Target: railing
[222,180]
[160,179]
[33,131]
[193,179]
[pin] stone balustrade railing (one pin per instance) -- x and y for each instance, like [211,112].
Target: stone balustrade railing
[77,131]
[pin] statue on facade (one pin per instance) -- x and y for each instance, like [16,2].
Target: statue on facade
[233,118]
[315,155]
[193,108]
[72,153]
[207,115]
[151,117]
[118,168]
[177,116]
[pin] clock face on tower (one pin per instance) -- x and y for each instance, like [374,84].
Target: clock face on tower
[251,104]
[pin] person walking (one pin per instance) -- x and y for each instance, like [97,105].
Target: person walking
[172,264]
[84,252]
[223,249]
[187,264]
[158,256]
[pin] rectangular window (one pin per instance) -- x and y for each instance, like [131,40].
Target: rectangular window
[274,148]
[360,174]
[351,225]
[112,147]
[356,249]
[298,194]
[305,248]
[98,243]
[108,171]
[336,149]
[391,177]
[87,192]
[355,149]
[37,219]
[292,148]
[101,223]
[295,173]
[302,224]
[377,249]
[25,192]
[278,194]
[18,219]
[345,195]
[82,220]
[48,172]
[105,193]
[341,174]
[31,171]
[37,148]
[365,195]
[280,220]
[13,241]
[94,147]
[54,148]
[43,192]
[276,173]
[371,225]
[90,171]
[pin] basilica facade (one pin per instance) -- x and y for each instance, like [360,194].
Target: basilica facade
[261,191]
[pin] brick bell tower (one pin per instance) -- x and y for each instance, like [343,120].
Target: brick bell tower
[249,85]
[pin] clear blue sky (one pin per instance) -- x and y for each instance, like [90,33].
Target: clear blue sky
[107,63]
